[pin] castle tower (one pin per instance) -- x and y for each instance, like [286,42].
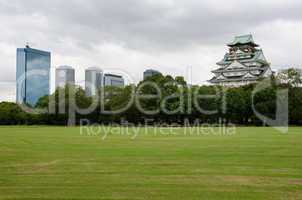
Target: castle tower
[245,63]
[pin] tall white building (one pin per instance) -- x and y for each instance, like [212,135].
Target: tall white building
[93,80]
[65,75]
[114,80]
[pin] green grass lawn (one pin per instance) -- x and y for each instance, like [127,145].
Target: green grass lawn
[59,163]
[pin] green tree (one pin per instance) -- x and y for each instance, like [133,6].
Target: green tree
[291,77]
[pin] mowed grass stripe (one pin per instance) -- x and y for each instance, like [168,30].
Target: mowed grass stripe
[59,163]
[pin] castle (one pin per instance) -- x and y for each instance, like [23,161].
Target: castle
[245,63]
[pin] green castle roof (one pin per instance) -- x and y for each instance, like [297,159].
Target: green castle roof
[258,57]
[243,39]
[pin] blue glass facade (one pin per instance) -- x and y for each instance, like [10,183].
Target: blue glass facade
[33,75]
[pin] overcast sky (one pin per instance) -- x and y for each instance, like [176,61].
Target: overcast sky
[172,36]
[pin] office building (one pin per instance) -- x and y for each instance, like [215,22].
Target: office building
[93,80]
[65,75]
[113,80]
[150,73]
[32,75]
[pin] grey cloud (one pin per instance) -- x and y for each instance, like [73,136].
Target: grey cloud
[145,24]
[143,33]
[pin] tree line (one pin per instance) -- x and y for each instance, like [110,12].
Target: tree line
[166,100]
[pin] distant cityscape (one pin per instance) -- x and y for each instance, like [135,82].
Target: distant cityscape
[245,63]
[33,76]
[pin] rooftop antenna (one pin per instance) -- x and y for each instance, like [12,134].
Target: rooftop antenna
[29,44]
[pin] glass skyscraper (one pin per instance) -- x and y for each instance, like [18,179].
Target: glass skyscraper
[32,75]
